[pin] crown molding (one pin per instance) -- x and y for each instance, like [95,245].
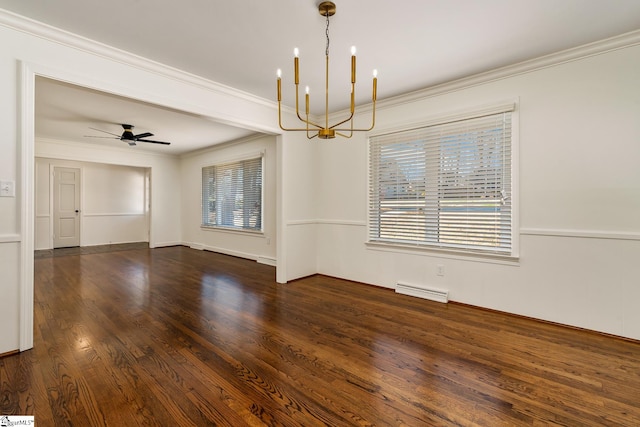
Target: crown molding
[599,47]
[622,41]
[48,32]
[65,38]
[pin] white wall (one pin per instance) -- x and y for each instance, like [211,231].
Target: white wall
[261,246]
[165,215]
[10,226]
[579,199]
[113,203]
[300,202]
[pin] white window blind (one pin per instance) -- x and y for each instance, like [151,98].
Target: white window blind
[444,186]
[232,195]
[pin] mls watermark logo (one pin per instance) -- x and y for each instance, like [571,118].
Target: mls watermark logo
[16,420]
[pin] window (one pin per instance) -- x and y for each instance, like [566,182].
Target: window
[232,195]
[446,185]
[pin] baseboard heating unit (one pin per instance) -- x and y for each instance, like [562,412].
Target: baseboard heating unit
[433,294]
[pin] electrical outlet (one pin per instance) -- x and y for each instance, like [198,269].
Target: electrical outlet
[440,270]
[7,189]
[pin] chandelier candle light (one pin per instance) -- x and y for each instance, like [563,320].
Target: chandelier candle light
[327,9]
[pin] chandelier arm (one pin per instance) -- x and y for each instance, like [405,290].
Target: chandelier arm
[307,121]
[335,127]
[344,135]
[280,116]
[311,136]
[350,130]
[300,117]
[373,113]
[355,130]
[284,128]
[296,129]
[293,129]
[373,123]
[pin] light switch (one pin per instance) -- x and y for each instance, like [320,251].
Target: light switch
[7,189]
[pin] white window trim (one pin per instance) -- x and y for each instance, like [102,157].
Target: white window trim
[232,230]
[512,105]
[236,159]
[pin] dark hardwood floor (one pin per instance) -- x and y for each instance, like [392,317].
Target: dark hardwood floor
[179,337]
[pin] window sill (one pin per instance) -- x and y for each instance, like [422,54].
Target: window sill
[256,233]
[445,253]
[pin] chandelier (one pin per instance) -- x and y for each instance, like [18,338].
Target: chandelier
[343,128]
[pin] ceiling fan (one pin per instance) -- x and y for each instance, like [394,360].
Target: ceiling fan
[128,136]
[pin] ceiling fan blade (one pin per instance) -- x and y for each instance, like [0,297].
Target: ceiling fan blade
[128,136]
[153,142]
[100,130]
[95,136]
[142,135]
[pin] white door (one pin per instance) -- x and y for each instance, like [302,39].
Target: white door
[66,207]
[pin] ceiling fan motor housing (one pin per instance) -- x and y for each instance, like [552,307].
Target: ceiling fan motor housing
[127,134]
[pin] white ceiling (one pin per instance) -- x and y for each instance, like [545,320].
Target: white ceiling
[72,113]
[414,44]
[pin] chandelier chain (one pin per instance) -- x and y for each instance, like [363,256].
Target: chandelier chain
[327,33]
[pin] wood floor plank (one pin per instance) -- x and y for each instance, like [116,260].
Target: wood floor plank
[175,336]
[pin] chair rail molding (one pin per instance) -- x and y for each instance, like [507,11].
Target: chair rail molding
[581,234]
[10,238]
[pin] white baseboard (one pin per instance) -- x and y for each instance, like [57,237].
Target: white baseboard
[258,258]
[433,294]
[164,244]
[267,261]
